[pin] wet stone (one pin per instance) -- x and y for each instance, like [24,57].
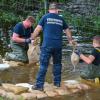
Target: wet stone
[2,93]
[39,94]
[12,96]
[28,96]
[62,91]
[48,87]
[74,90]
[42,95]
[14,89]
[51,93]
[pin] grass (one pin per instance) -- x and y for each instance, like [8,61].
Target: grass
[1,98]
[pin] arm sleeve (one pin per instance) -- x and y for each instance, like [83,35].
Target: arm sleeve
[93,53]
[17,29]
[32,29]
[41,22]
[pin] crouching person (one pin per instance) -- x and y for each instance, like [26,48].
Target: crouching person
[92,70]
[20,40]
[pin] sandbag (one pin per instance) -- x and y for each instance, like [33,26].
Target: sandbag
[74,59]
[14,89]
[33,54]
[34,51]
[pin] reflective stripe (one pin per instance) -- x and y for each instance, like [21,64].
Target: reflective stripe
[97,49]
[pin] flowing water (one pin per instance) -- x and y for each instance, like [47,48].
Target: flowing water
[27,74]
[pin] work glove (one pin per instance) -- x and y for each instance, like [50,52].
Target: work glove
[78,52]
[28,40]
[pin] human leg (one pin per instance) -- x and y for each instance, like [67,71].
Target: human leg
[19,53]
[44,61]
[57,56]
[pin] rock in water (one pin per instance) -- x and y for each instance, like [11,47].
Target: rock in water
[74,84]
[74,59]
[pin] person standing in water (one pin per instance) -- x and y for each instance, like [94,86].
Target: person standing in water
[52,26]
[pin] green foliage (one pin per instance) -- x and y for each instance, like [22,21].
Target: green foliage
[7,20]
[90,24]
[38,17]
[61,0]
[1,98]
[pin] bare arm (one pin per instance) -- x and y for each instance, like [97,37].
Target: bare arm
[36,32]
[88,59]
[68,34]
[16,38]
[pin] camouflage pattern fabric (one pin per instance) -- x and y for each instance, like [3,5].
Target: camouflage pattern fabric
[90,71]
[19,52]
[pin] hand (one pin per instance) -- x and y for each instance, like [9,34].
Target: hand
[28,40]
[32,42]
[73,43]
